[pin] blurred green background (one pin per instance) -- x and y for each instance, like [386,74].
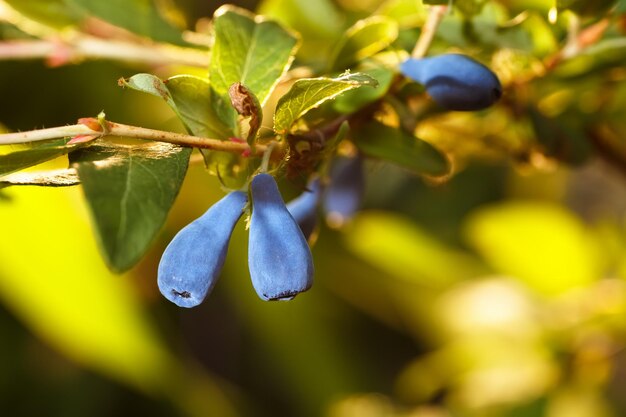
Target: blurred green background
[501,292]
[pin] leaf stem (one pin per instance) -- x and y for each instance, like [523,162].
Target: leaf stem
[118,129]
[428,31]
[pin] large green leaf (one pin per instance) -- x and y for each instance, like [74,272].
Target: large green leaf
[249,50]
[364,39]
[308,93]
[130,190]
[393,145]
[34,155]
[139,16]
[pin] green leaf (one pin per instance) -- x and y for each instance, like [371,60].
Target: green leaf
[35,154]
[364,39]
[351,101]
[139,16]
[621,6]
[249,50]
[190,99]
[537,243]
[393,145]
[54,13]
[308,93]
[130,190]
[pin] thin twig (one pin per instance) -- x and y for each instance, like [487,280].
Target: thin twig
[428,31]
[117,129]
[78,47]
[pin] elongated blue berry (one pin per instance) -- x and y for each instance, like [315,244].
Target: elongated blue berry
[304,208]
[344,194]
[455,81]
[279,258]
[193,260]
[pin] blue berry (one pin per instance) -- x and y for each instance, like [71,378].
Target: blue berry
[279,258]
[194,259]
[304,208]
[454,81]
[344,194]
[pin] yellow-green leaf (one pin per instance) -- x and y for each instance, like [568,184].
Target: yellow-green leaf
[308,93]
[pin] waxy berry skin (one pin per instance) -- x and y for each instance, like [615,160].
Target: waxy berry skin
[304,208]
[279,258]
[455,81]
[194,259]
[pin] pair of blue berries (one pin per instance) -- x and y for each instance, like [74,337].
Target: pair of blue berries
[279,257]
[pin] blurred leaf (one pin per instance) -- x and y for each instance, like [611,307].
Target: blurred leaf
[319,22]
[130,190]
[293,333]
[402,249]
[469,7]
[484,31]
[541,244]
[55,13]
[138,16]
[56,283]
[585,7]
[394,145]
[364,39]
[248,50]
[308,93]
[36,154]
[605,54]
[351,101]
[560,137]
[621,6]
[408,13]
